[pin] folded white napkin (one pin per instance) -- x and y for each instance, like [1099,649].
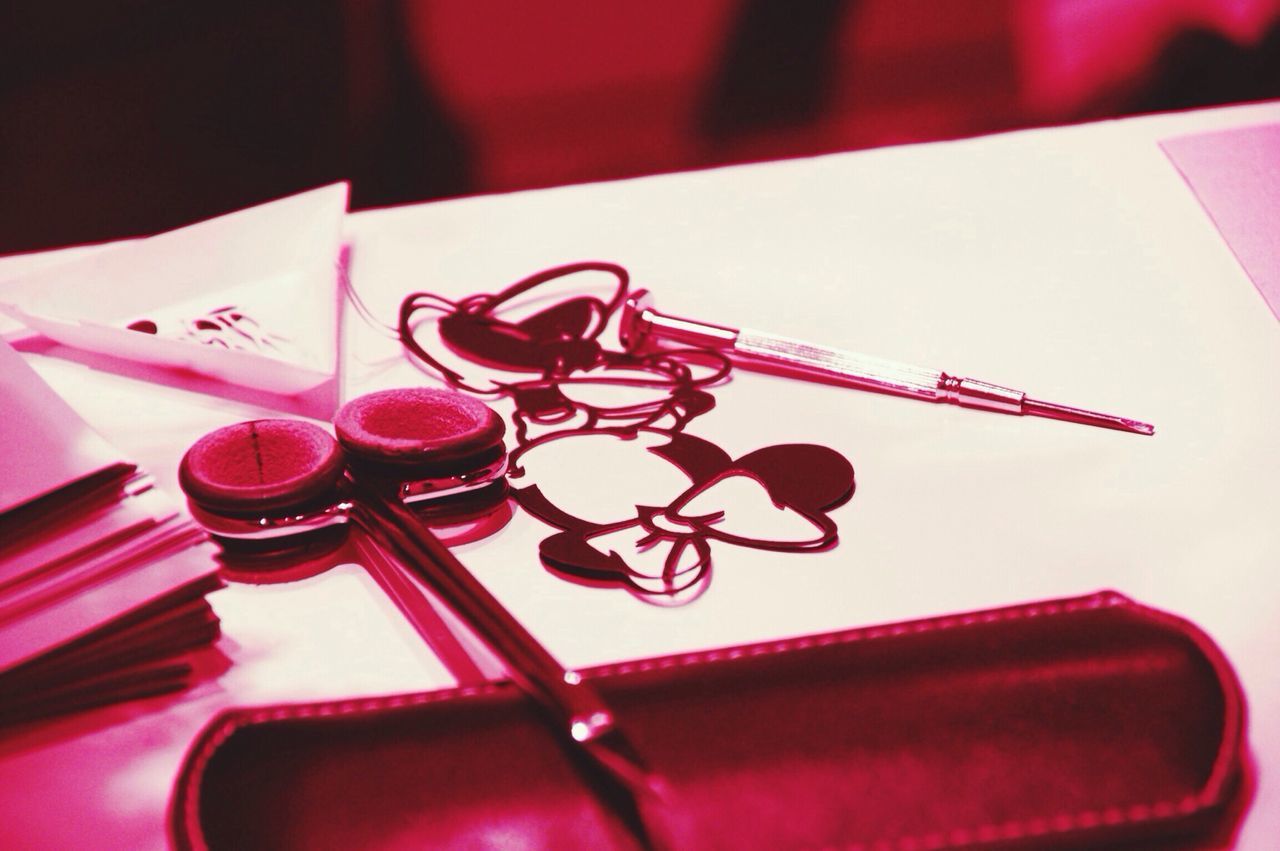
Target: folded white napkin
[250,298]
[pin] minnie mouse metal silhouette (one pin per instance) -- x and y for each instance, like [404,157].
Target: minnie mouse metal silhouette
[805,480]
[560,345]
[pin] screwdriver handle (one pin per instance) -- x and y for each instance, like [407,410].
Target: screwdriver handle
[874,373]
[862,370]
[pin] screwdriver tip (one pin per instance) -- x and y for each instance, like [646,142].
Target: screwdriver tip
[1080,415]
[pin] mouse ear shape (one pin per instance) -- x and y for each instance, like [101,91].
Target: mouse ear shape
[491,342]
[578,319]
[488,333]
[558,339]
[802,474]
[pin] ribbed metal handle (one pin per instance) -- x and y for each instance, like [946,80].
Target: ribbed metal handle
[851,367]
[573,702]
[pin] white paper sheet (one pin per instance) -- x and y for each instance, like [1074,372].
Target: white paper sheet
[1073,263]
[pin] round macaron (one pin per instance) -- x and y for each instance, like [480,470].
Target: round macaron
[261,467]
[421,431]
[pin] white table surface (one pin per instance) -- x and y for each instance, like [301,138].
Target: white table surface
[1073,263]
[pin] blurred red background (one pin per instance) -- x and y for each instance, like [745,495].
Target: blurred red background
[126,117]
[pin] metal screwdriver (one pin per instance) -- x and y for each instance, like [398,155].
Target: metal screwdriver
[642,325]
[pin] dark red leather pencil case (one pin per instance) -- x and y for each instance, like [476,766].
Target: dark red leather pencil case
[1072,723]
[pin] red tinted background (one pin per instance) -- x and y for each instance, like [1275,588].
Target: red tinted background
[127,117]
